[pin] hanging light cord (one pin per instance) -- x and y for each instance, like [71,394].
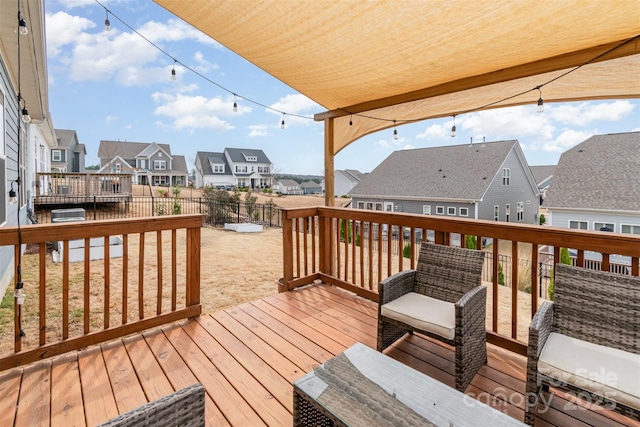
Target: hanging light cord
[19,285]
[176,61]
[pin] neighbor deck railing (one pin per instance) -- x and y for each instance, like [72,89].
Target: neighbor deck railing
[169,264]
[83,184]
[356,249]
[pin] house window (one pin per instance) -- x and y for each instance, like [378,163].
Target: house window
[464,211]
[143,163]
[506,176]
[451,210]
[369,206]
[263,169]
[520,211]
[603,226]
[360,205]
[426,209]
[56,155]
[218,168]
[242,182]
[378,206]
[579,225]
[118,168]
[496,213]
[160,164]
[507,212]
[630,229]
[159,180]
[439,210]
[241,169]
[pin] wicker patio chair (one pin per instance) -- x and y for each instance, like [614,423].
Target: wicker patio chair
[443,299]
[183,408]
[587,342]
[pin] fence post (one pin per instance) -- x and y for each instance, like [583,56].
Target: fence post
[287,253]
[95,207]
[238,212]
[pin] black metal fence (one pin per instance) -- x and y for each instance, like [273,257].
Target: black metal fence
[213,212]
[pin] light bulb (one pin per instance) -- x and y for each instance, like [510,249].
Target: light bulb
[173,74]
[453,131]
[13,199]
[282,124]
[235,107]
[351,120]
[22,25]
[540,105]
[107,25]
[25,115]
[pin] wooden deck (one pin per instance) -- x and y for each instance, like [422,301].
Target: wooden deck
[247,357]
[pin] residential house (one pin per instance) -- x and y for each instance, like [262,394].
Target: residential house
[24,145]
[596,185]
[147,162]
[543,176]
[489,181]
[234,167]
[287,186]
[344,181]
[311,187]
[68,155]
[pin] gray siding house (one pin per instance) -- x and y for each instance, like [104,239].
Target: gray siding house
[24,146]
[147,162]
[234,167]
[344,180]
[596,185]
[489,181]
[288,186]
[68,154]
[543,176]
[311,187]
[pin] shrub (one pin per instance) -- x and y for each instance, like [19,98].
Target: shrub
[500,275]
[565,258]
[358,239]
[543,219]
[471,242]
[342,230]
[406,251]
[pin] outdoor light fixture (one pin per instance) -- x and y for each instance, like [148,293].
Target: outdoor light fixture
[173,71]
[22,25]
[540,101]
[351,120]
[282,122]
[107,23]
[395,131]
[235,104]
[13,199]
[25,115]
[453,128]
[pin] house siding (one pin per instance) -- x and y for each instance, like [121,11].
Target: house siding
[560,218]
[518,190]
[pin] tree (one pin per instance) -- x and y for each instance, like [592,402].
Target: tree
[565,258]
[92,167]
[543,219]
[471,242]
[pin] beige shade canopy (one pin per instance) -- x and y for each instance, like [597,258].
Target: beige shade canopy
[410,60]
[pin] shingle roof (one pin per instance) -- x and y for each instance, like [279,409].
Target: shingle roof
[309,184]
[602,172]
[541,173]
[179,164]
[237,155]
[352,175]
[289,183]
[80,148]
[64,137]
[208,157]
[460,172]
[124,149]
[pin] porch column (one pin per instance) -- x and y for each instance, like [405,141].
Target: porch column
[329,186]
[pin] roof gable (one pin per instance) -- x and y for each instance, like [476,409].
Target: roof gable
[65,137]
[239,155]
[127,150]
[452,172]
[602,172]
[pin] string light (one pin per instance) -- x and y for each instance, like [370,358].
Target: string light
[22,25]
[351,120]
[540,101]
[107,23]
[453,128]
[235,104]
[282,123]
[173,70]
[13,198]
[395,131]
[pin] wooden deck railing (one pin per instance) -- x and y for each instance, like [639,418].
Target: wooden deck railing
[83,184]
[356,249]
[87,302]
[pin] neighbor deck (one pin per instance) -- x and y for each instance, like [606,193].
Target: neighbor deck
[248,357]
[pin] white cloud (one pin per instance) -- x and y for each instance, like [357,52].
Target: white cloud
[193,112]
[515,122]
[203,66]
[64,29]
[584,113]
[436,131]
[408,147]
[110,119]
[296,104]
[565,140]
[258,130]
[174,30]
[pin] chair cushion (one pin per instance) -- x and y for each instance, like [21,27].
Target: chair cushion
[423,313]
[604,371]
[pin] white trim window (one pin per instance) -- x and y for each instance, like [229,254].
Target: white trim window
[579,225]
[464,211]
[506,176]
[630,229]
[369,206]
[604,226]
[426,209]
[496,213]
[360,205]
[507,212]
[451,210]
[218,168]
[378,206]
[160,165]
[439,210]
[520,211]
[159,180]
[56,155]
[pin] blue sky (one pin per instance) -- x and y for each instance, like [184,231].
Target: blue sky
[115,85]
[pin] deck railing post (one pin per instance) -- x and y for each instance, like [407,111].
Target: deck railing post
[287,251]
[193,267]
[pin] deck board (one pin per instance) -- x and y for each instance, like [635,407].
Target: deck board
[248,357]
